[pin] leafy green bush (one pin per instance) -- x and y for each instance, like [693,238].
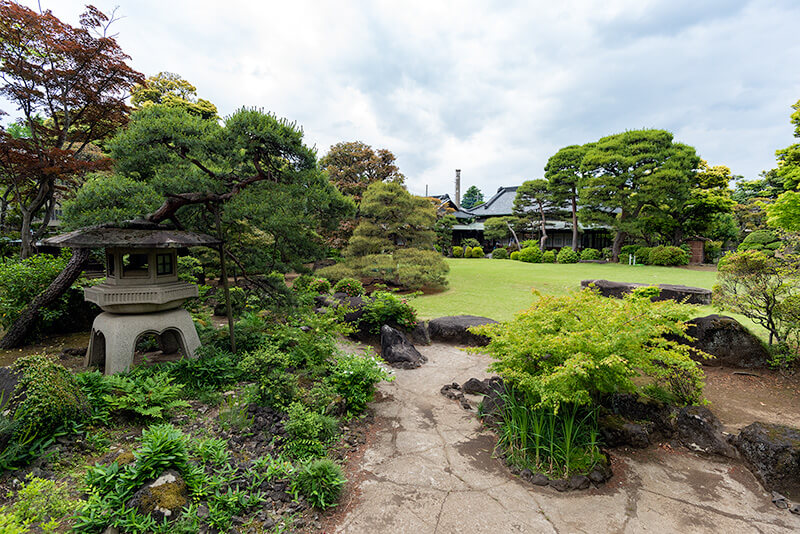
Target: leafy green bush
[458,252]
[387,308]
[531,254]
[213,369]
[46,397]
[351,286]
[301,282]
[590,254]
[277,387]
[249,331]
[354,378]
[760,237]
[320,285]
[22,280]
[41,503]
[575,348]
[152,397]
[643,255]
[514,255]
[662,255]
[471,242]
[549,256]
[407,267]
[190,269]
[320,482]
[308,432]
[567,255]
[499,254]
[529,243]
[477,252]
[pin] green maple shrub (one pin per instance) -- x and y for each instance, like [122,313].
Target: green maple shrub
[567,255]
[530,254]
[471,242]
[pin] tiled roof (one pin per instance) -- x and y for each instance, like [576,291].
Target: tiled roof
[499,205]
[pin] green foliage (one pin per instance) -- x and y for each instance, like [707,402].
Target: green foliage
[351,286]
[567,255]
[211,370]
[497,228]
[662,255]
[472,197]
[189,269]
[22,280]
[249,331]
[40,503]
[277,386]
[458,252]
[765,241]
[549,256]
[109,198]
[590,254]
[383,308]
[477,252]
[648,292]
[170,90]
[444,231]
[320,482]
[152,397]
[406,267]
[46,397]
[308,432]
[320,286]
[233,413]
[499,254]
[559,443]
[575,348]
[514,255]
[785,211]
[531,254]
[470,242]
[301,282]
[354,378]
[643,255]
[763,288]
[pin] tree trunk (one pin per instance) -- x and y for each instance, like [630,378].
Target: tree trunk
[514,234]
[544,232]
[619,238]
[26,245]
[574,224]
[18,331]
[224,279]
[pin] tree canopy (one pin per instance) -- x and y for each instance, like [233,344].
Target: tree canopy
[563,172]
[785,212]
[76,80]
[532,197]
[472,197]
[169,89]
[353,166]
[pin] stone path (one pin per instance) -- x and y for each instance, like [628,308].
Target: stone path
[429,469]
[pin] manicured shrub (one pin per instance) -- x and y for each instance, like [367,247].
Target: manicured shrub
[590,254]
[383,308]
[301,282]
[471,242]
[549,256]
[351,286]
[529,243]
[765,241]
[46,397]
[477,252]
[458,252]
[320,482]
[643,255]
[320,286]
[531,254]
[418,269]
[499,254]
[354,378]
[662,255]
[514,255]
[238,302]
[334,273]
[567,255]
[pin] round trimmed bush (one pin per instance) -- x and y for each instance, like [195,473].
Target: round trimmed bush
[643,255]
[530,254]
[515,255]
[351,286]
[668,256]
[499,254]
[319,285]
[549,256]
[458,252]
[567,255]
[477,252]
[471,242]
[590,254]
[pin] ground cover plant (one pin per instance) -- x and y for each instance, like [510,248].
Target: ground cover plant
[558,362]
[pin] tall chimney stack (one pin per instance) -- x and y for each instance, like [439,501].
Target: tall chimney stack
[458,188]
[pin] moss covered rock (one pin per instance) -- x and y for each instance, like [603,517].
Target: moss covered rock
[163,498]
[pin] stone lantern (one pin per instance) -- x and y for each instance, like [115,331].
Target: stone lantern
[141,294]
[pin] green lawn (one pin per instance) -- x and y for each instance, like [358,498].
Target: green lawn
[501,288]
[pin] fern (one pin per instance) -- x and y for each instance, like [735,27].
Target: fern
[148,397]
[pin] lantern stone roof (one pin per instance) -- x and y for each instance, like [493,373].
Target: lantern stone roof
[131,234]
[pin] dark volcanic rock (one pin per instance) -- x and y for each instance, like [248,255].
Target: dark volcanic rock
[398,351]
[8,381]
[773,454]
[727,340]
[700,430]
[579,482]
[693,295]
[473,386]
[492,404]
[420,334]
[617,431]
[453,329]
[559,484]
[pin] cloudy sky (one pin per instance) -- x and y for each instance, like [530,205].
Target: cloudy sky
[492,88]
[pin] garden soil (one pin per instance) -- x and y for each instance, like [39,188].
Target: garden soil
[428,467]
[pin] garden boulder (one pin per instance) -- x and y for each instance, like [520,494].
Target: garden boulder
[398,351]
[699,430]
[454,329]
[692,295]
[727,340]
[773,454]
[8,382]
[163,498]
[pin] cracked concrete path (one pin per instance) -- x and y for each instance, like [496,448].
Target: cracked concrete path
[430,469]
